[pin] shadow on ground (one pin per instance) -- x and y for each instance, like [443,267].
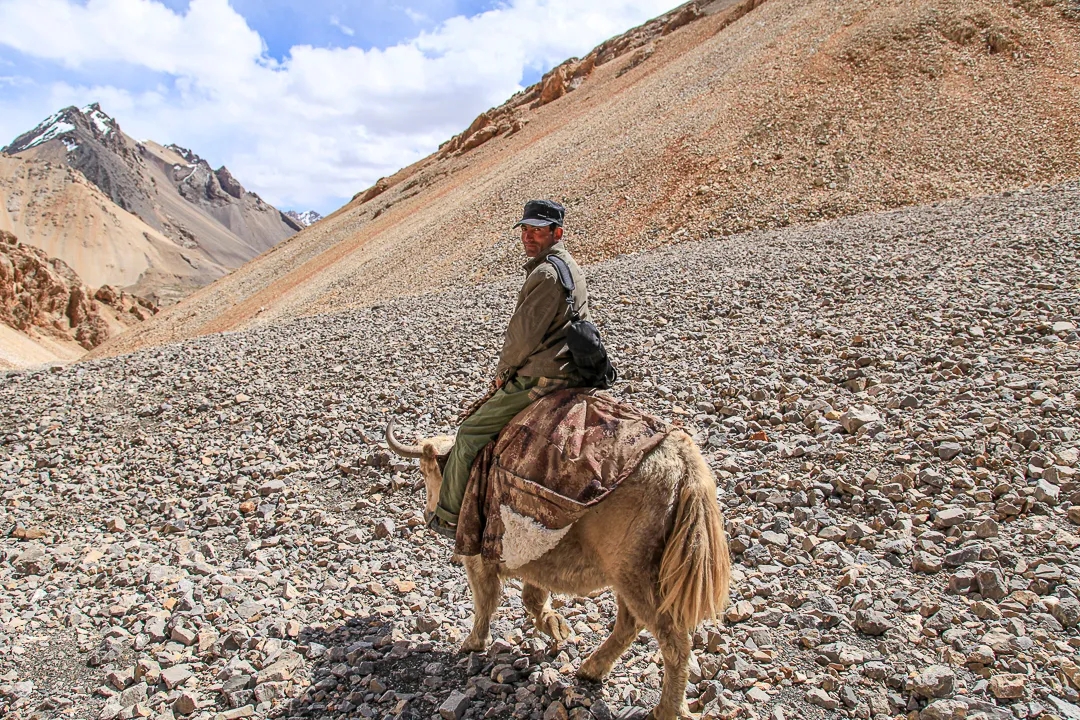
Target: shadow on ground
[361,669]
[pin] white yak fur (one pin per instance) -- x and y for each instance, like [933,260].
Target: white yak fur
[524,539]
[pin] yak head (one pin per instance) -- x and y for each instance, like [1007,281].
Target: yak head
[430,452]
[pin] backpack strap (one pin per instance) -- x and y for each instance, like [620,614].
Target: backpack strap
[563,271]
[565,279]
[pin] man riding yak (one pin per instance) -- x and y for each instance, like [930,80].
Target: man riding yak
[579,492]
[535,358]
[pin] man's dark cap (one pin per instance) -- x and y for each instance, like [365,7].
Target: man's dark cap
[541,213]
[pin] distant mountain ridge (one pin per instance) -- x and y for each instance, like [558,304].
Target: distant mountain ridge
[216,223]
[307,218]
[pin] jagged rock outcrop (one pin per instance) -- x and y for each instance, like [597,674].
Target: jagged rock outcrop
[138,307]
[185,154]
[565,78]
[42,294]
[229,183]
[374,191]
[497,121]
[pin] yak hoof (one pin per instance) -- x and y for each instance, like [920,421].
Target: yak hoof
[589,673]
[473,644]
[555,627]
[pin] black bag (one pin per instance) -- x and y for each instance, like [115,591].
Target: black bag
[583,337]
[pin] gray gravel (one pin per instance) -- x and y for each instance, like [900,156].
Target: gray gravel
[890,402]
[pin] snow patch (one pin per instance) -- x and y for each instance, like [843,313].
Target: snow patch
[102,122]
[52,129]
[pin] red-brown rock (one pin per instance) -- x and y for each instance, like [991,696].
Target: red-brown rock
[42,294]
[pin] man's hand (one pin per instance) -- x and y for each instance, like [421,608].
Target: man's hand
[499,382]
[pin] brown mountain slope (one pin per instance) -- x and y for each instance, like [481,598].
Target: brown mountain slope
[754,114]
[55,208]
[217,223]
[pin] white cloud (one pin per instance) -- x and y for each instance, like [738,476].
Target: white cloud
[322,124]
[343,28]
[417,17]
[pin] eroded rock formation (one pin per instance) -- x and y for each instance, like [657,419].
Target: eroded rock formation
[42,294]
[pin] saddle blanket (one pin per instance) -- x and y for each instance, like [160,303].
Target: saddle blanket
[556,460]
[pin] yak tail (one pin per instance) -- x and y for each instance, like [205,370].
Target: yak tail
[695,568]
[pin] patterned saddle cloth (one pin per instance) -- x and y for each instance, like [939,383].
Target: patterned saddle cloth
[556,460]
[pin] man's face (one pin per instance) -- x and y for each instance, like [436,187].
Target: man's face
[538,239]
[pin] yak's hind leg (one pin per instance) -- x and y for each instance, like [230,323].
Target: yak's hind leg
[537,603]
[486,588]
[675,646]
[604,657]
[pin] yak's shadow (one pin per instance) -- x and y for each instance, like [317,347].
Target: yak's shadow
[359,670]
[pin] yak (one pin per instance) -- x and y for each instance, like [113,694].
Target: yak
[657,540]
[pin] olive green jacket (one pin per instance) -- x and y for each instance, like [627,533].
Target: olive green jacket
[535,343]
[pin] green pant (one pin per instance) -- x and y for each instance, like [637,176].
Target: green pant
[478,430]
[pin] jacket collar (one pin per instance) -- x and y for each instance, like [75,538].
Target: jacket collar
[533,263]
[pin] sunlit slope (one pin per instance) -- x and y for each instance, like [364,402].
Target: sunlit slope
[56,209]
[755,114]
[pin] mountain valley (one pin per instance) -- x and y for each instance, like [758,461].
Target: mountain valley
[836,242]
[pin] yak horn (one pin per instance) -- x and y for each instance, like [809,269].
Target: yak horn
[409,451]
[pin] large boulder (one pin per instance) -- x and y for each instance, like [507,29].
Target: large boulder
[858,416]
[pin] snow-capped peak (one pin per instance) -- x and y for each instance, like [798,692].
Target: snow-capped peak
[54,126]
[102,122]
[306,218]
[63,124]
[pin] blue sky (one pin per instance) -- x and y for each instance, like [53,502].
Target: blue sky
[373,23]
[306,102]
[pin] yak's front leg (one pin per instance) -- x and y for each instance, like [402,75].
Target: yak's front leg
[537,603]
[486,588]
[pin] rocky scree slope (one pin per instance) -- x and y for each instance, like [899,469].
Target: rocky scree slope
[213,529]
[207,213]
[717,118]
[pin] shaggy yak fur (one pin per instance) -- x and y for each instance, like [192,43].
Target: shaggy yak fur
[657,541]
